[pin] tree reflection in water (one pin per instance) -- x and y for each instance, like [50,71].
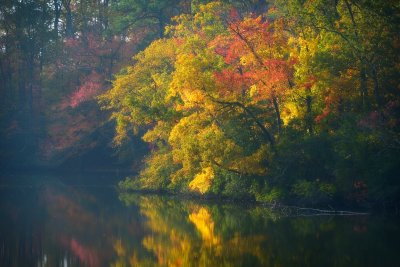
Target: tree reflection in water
[57,225]
[186,233]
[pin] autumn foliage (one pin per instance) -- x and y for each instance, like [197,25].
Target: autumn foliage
[293,101]
[261,105]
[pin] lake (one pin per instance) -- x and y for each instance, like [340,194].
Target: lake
[81,220]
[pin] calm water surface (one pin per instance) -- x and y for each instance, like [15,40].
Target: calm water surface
[63,221]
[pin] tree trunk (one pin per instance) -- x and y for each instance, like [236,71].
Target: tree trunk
[363,87]
[267,135]
[161,24]
[105,14]
[69,27]
[277,113]
[21,88]
[376,87]
[309,117]
[3,92]
[57,13]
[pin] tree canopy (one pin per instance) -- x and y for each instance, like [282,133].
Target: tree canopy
[295,102]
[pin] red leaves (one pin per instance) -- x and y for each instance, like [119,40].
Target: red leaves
[233,52]
[252,53]
[91,87]
[311,80]
[323,115]
[276,70]
[327,110]
[253,32]
[233,80]
[234,15]
[245,36]
[85,92]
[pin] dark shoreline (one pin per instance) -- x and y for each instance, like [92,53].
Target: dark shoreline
[287,209]
[113,176]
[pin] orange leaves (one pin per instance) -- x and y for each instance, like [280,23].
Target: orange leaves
[309,82]
[213,96]
[253,53]
[277,72]
[232,82]
[252,29]
[244,37]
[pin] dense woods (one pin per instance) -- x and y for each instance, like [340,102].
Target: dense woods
[278,101]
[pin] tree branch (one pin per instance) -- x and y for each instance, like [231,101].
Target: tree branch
[264,130]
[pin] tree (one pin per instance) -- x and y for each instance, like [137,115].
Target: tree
[202,106]
[24,36]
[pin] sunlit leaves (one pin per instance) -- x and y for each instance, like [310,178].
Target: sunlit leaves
[140,93]
[224,92]
[202,181]
[183,86]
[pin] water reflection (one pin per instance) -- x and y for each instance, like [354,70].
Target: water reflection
[52,224]
[188,234]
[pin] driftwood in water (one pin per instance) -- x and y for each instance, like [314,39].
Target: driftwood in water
[300,211]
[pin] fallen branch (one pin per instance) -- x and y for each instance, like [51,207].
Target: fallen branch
[300,211]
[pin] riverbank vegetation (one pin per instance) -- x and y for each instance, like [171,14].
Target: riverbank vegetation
[293,102]
[297,103]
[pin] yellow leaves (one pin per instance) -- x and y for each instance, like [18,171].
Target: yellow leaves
[181,26]
[181,136]
[290,111]
[193,78]
[253,92]
[160,132]
[206,23]
[247,59]
[197,143]
[157,53]
[212,8]
[202,181]
[156,175]
[178,88]
[121,128]
[139,94]
[209,18]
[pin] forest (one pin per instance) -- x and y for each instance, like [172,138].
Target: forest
[294,102]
